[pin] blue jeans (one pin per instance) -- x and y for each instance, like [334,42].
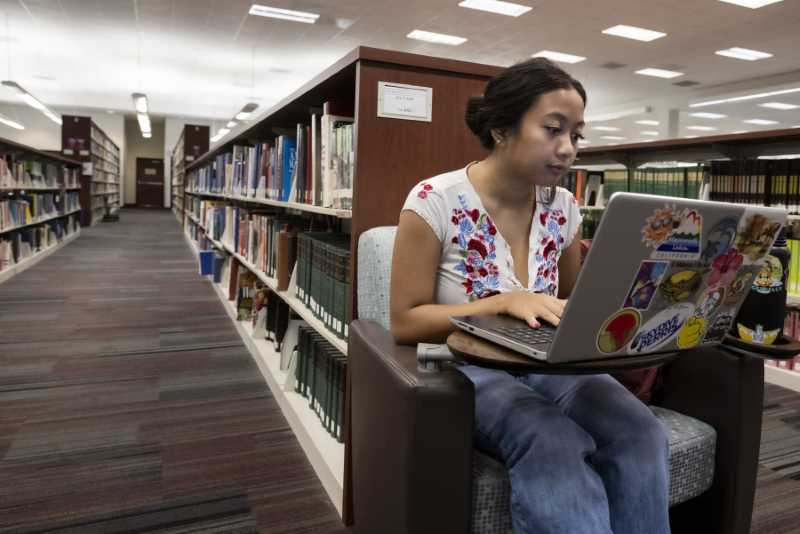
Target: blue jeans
[583,454]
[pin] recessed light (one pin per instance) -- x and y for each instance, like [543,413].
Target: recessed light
[647,140]
[779,105]
[605,128]
[752,4]
[11,123]
[701,128]
[612,137]
[706,115]
[649,132]
[743,53]
[762,122]
[496,6]
[648,122]
[632,32]
[782,156]
[223,131]
[231,124]
[438,38]
[745,97]
[559,56]
[659,73]
[283,14]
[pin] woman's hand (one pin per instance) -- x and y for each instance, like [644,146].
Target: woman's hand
[532,307]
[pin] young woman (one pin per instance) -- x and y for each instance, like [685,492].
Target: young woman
[498,236]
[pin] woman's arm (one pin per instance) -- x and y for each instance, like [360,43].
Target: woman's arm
[569,264]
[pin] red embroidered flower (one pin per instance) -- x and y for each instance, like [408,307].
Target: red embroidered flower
[474,215]
[478,247]
[423,192]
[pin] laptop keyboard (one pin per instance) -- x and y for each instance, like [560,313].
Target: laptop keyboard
[527,335]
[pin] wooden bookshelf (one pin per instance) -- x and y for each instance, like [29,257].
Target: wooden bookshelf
[83,140]
[192,143]
[26,173]
[391,155]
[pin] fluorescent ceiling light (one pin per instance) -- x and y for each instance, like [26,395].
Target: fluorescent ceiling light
[648,123]
[762,122]
[779,105]
[246,111]
[707,115]
[8,122]
[231,124]
[647,140]
[559,56]
[659,73]
[701,128]
[743,98]
[605,128]
[584,142]
[495,6]
[215,138]
[649,132]
[283,14]
[740,131]
[613,115]
[140,102]
[53,117]
[691,136]
[147,135]
[223,131]
[752,4]
[743,53]
[632,32]
[795,126]
[612,137]
[438,38]
[144,122]
[782,156]
[31,100]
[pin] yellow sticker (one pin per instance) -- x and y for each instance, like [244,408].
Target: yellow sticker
[691,332]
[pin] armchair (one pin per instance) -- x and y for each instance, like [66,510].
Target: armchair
[415,469]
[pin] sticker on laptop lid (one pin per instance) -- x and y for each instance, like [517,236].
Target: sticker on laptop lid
[681,284]
[691,332]
[755,236]
[674,234]
[721,237]
[741,285]
[645,284]
[660,329]
[719,327]
[724,268]
[618,330]
[710,301]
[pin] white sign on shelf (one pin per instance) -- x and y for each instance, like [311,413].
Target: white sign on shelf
[84,152]
[87,167]
[408,102]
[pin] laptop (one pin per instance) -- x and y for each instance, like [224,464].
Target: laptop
[663,274]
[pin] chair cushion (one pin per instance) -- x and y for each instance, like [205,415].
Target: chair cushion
[375,247]
[691,467]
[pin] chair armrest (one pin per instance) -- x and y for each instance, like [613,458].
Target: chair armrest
[726,391]
[411,438]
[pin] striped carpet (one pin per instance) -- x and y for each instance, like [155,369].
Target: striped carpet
[128,402]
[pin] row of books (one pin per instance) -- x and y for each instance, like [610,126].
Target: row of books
[756,181]
[27,208]
[684,182]
[311,164]
[23,243]
[24,173]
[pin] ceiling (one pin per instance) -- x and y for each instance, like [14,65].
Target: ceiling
[206,58]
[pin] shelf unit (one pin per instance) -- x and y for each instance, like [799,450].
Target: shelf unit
[390,157]
[192,143]
[26,172]
[83,140]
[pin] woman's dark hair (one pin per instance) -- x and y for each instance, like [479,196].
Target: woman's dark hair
[511,93]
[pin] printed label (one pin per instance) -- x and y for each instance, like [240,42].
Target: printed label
[675,235]
[660,329]
[618,330]
[645,284]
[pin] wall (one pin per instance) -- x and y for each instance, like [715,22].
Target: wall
[139,147]
[172,130]
[42,133]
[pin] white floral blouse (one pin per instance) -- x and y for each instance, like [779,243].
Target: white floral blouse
[476,261]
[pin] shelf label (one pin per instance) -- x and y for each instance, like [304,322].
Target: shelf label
[84,152]
[68,151]
[408,102]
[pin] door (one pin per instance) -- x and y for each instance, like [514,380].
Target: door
[150,182]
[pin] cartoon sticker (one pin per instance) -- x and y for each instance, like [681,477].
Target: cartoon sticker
[721,237]
[660,329]
[681,284]
[691,332]
[645,284]
[710,301]
[618,330]
[675,235]
[725,267]
[770,278]
[756,235]
[758,335]
[721,325]
[740,286]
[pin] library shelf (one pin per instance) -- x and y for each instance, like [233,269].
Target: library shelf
[325,454]
[782,377]
[6,274]
[40,221]
[192,142]
[299,206]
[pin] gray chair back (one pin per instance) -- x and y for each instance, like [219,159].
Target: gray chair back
[375,248]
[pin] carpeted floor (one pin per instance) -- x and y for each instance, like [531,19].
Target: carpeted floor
[128,402]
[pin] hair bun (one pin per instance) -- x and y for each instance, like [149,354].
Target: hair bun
[474,116]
